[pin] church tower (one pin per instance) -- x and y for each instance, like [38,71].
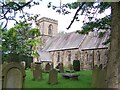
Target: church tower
[47,26]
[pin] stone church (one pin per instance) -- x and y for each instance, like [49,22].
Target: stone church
[60,47]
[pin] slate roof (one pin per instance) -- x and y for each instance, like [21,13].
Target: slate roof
[93,41]
[64,41]
[44,56]
[75,41]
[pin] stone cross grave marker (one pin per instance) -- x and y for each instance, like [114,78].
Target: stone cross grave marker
[13,75]
[37,71]
[53,76]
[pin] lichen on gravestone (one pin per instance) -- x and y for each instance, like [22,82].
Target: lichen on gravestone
[37,72]
[13,75]
[53,76]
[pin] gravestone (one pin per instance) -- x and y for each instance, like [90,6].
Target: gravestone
[94,76]
[58,66]
[61,68]
[32,66]
[99,77]
[37,71]
[13,75]
[48,67]
[70,66]
[53,77]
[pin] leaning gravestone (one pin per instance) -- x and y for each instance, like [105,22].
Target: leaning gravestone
[47,67]
[53,77]
[13,75]
[37,71]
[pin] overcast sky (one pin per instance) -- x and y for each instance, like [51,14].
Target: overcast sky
[63,20]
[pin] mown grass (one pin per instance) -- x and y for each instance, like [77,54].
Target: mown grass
[84,81]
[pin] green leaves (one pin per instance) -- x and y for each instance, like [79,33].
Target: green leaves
[20,40]
[9,10]
[103,23]
[103,6]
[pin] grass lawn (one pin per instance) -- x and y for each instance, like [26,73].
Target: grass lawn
[84,81]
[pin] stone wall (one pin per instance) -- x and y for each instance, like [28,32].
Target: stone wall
[90,58]
[64,56]
[44,23]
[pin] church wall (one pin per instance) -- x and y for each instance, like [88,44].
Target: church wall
[90,58]
[64,57]
[86,57]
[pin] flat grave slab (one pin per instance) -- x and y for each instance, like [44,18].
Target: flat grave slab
[70,76]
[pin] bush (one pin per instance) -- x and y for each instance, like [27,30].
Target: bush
[76,65]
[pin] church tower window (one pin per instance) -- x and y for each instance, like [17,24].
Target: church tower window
[50,29]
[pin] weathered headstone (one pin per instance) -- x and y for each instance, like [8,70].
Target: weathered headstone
[99,77]
[70,66]
[94,76]
[61,68]
[32,66]
[53,77]
[48,67]
[58,66]
[13,75]
[37,72]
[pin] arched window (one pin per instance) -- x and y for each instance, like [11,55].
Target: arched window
[58,57]
[76,56]
[50,29]
[69,55]
[98,56]
[86,55]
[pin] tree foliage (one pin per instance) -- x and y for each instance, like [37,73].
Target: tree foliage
[89,10]
[9,10]
[19,40]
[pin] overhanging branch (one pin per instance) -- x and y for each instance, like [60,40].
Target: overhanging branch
[80,7]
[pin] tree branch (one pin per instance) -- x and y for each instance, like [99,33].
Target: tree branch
[80,7]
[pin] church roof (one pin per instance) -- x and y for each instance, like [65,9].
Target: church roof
[64,41]
[44,56]
[94,41]
[75,41]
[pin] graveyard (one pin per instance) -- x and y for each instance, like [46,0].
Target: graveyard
[84,80]
[35,53]
[16,75]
